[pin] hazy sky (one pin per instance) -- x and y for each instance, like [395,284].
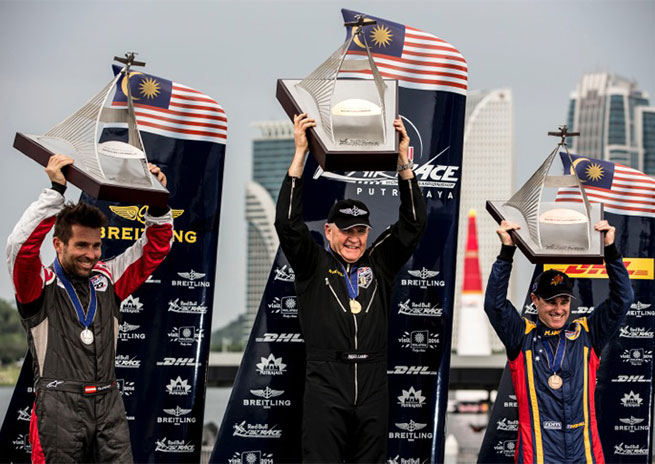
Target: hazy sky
[57,54]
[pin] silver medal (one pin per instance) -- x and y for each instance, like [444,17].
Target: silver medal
[86,336]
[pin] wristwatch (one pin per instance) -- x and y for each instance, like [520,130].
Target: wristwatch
[402,167]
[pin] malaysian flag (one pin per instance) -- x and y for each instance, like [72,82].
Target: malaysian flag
[418,60]
[170,109]
[621,189]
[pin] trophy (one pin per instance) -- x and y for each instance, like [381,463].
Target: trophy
[354,117]
[105,169]
[557,232]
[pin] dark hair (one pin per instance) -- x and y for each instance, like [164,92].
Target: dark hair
[81,214]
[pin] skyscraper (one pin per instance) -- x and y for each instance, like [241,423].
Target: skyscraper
[615,121]
[487,174]
[271,155]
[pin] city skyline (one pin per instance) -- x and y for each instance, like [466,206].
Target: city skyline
[540,50]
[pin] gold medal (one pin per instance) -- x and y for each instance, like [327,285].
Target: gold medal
[355,307]
[555,382]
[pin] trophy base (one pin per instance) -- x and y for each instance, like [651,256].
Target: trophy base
[557,220]
[350,153]
[154,195]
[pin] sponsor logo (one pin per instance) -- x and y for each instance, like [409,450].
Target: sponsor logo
[335,271]
[176,416]
[630,450]
[412,370]
[99,282]
[246,430]
[24,414]
[152,280]
[419,340]
[630,378]
[583,310]
[178,387]
[506,447]
[635,332]
[552,425]
[631,424]
[399,460]
[512,403]
[174,446]
[251,457]
[640,309]
[125,387]
[423,278]
[184,362]
[186,335]
[409,308]
[192,280]
[128,332]
[637,356]
[530,309]
[54,384]
[286,306]
[123,360]
[575,426]
[508,425]
[137,213]
[631,400]
[411,431]
[411,398]
[285,274]
[22,442]
[131,305]
[271,366]
[364,277]
[187,307]
[267,400]
[638,268]
[270,337]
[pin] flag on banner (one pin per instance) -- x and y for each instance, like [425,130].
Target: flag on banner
[621,189]
[418,60]
[170,109]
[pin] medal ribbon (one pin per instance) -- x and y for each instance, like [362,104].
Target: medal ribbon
[555,359]
[351,283]
[87,319]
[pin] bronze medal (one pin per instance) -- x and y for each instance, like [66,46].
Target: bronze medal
[355,306]
[555,382]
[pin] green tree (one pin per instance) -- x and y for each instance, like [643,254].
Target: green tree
[12,335]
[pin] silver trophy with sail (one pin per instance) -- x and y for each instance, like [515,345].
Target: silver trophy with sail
[112,170]
[354,117]
[557,232]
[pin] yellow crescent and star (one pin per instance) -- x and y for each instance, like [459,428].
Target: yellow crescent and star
[380,35]
[149,88]
[594,171]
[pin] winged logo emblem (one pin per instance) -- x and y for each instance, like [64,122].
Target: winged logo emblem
[423,273]
[136,213]
[411,426]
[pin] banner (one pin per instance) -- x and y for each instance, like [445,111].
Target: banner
[624,388]
[163,341]
[262,423]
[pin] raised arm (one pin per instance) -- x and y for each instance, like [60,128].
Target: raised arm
[295,239]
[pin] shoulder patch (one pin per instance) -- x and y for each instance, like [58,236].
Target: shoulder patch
[364,276]
[583,322]
[48,275]
[100,282]
[102,268]
[529,326]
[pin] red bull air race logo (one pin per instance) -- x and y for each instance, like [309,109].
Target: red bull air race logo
[437,180]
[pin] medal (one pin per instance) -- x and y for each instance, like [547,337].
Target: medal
[86,336]
[86,319]
[355,306]
[555,382]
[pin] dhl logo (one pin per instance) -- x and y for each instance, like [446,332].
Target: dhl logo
[638,268]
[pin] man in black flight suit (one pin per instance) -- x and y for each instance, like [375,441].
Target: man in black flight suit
[344,293]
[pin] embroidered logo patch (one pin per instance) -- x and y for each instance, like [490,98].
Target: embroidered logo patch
[364,277]
[99,282]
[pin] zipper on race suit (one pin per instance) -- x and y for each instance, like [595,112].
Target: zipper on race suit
[372,296]
[356,380]
[293,186]
[327,282]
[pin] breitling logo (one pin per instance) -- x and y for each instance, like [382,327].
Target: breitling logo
[137,214]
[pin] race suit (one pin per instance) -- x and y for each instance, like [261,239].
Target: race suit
[79,415]
[345,400]
[556,425]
